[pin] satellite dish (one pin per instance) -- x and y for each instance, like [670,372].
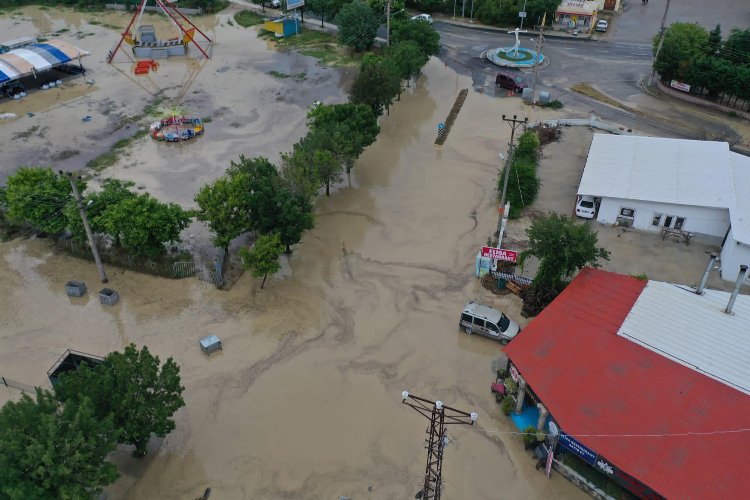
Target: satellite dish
[553,430]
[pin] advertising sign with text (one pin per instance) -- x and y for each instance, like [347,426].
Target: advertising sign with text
[572,444]
[500,254]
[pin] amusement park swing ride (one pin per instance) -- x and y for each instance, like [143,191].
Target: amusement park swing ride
[147,49]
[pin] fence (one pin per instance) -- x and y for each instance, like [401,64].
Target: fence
[7,382]
[120,6]
[592,122]
[520,280]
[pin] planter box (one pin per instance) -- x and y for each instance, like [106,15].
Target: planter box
[75,288]
[108,297]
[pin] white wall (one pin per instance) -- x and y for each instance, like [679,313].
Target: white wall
[698,220]
[733,255]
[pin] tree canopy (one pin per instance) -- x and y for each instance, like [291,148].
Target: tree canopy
[224,205]
[358,25]
[419,32]
[683,43]
[344,130]
[407,58]
[37,197]
[376,84]
[132,389]
[263,258]
[563,247]
[326,9]
[49,450]
[143,224]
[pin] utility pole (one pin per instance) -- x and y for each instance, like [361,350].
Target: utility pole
[388,24]
[514,124]
[522,16]
[86,226]
[536,60]
[439,416]
[661,41]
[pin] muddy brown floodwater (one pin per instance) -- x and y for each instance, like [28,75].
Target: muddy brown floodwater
[305,399]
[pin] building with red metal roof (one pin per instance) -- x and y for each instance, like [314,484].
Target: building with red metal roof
[657,415]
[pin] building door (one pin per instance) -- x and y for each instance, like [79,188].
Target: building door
[610,5]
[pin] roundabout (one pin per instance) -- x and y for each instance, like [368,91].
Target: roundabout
[514,57]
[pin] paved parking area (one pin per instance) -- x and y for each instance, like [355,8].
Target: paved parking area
[639,22]
[632,252]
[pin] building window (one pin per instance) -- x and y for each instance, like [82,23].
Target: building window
[656,220]
[679,222]
[627,212]
[668,221]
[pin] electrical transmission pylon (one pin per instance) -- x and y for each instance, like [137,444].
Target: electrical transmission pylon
[439,416]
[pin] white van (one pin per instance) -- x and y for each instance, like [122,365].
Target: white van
[487,321]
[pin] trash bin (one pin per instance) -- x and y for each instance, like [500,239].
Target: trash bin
[108,297]
[75,288]
[501,283]
[210,344]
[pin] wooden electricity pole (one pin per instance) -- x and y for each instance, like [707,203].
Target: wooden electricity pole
[536,60]
[89,234]
[662,29]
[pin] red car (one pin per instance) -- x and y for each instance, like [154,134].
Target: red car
[510,81]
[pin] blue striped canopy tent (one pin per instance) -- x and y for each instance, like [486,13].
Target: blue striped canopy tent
[32,59]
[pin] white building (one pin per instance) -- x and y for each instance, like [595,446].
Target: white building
[650,183]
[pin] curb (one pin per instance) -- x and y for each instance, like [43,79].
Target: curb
[493,29]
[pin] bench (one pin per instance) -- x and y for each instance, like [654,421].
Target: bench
[515,288]
[678,233]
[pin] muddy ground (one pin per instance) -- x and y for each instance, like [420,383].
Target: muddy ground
[304,400]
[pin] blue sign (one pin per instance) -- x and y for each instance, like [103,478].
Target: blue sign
[570,443]
[294,4]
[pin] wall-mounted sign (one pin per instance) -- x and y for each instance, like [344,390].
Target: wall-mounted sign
[572,444]
[294,4]
[500,254]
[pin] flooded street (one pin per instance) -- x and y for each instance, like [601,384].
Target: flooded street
[304,401]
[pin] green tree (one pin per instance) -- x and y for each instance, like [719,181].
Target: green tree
[407,58]
[528,146]
[298,174]
[563,247]
[131,388]
[263,258]
[344,130]
[326,9]
[358,25]
[683,44]
[294,216]
[224,205]
[37,197]
[113,192]
[327,168]
[49,450]
[714,41]
[737,46]
[376,84]
[261,182]
[419,32]
[523,185]
[143,224]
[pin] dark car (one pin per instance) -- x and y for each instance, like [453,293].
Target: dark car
[510,81]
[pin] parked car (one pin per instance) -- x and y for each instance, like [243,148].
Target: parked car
[602,25]
[422,17]
[488,322]
[276,4]
[586,207]
[510,81]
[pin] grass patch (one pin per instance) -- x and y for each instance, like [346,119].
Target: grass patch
[153,107]
[320,45]
[103,161]
[65,154]
[41,39]
[246,18]
[229,22]
[301,76]
[588,90]
[278,74]
[121,143]
[554,104]
[207,119]
[27,133]
[112,27]
[95,23]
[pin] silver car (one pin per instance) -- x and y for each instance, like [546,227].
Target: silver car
[488,322]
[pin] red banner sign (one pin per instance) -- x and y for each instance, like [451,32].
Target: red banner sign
[500,254]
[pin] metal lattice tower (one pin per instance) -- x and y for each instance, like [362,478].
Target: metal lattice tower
[440,416]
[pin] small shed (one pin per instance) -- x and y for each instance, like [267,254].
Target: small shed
[282,26]
[70,361]
[210,344]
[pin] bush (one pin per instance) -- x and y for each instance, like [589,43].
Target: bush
[510,385]
[507,404]
[548,134]
[529,435]
[523,186]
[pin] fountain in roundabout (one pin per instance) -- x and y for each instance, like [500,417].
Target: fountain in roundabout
[516,56]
